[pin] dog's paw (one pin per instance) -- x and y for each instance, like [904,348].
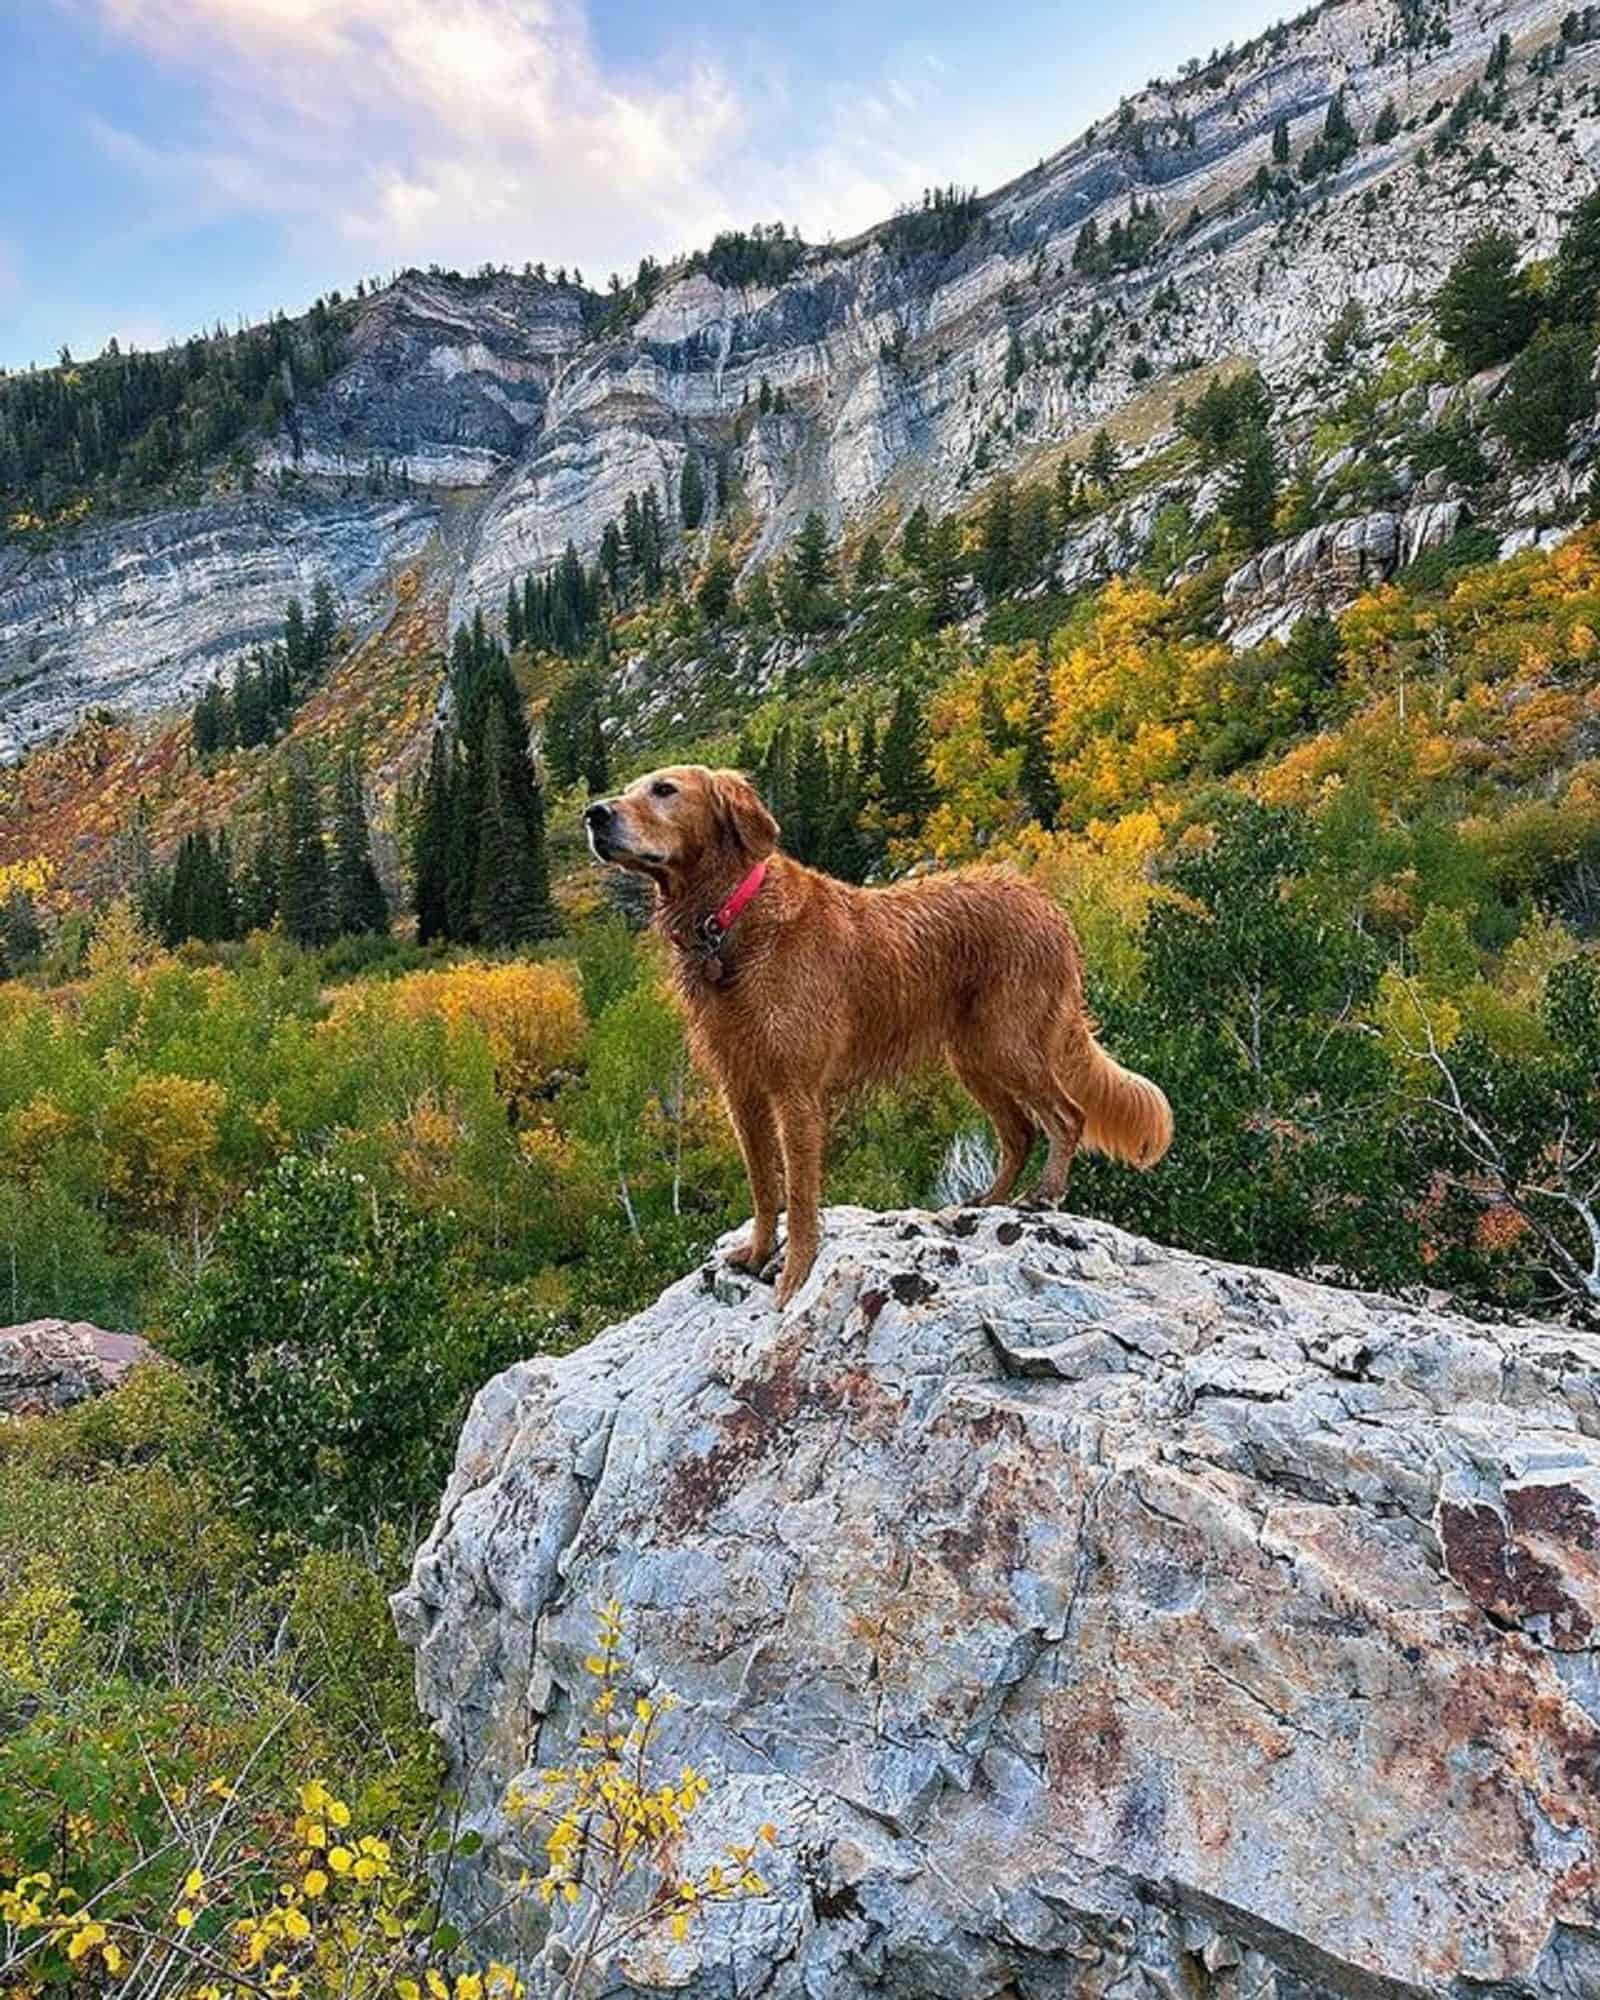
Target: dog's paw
[759,1261]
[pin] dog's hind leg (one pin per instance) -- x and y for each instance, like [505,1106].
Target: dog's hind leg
[757,1127]
[1012,1127]
[1062,1118]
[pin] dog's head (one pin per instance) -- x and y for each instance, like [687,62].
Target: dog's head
[667,823]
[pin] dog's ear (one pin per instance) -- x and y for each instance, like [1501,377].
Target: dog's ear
[742,815]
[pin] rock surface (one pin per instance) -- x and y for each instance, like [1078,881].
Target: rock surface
[1090,1620]
[47,1365]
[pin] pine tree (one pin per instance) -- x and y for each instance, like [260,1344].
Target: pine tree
[714,598]
[1040,792]
[1485,310]
[1249,501]
[296,641]
[258,887]
[515,629]
[691,494]
[1103,462]
[1574,289]
[511,891]
[1280,143]
[1066,494]
[996,556]
[359,903]
[914,536]
[305,892]
[1388,123]
[904,778]
[869,564]
[808,576]
[431,847]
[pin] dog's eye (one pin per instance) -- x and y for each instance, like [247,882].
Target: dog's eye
[662,789]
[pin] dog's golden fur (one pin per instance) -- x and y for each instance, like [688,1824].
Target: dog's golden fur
[821,987]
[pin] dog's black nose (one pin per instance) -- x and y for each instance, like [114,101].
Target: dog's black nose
[596,814]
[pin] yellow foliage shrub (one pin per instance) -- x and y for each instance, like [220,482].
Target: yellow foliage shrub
[161,1139]
[531,1015]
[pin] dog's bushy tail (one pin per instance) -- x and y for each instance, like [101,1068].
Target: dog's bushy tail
[1124,1114]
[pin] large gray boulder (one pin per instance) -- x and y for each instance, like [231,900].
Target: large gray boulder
[1089,1619]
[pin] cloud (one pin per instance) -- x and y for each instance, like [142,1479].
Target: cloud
[461,130]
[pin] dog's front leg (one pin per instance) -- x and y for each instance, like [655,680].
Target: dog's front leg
[800,1127]
[755,1122]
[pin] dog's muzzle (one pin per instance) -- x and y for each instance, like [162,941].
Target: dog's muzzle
[600,822]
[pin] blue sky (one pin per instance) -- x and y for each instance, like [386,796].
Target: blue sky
[168,163]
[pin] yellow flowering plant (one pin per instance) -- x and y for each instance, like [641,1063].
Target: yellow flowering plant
[611,1828]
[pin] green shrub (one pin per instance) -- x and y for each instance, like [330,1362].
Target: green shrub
[324,1343]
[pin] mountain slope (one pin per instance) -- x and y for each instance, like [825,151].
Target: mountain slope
[914,361]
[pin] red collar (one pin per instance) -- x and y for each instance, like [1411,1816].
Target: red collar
[741,899]
[709,933]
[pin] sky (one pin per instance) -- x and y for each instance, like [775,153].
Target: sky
[168,164]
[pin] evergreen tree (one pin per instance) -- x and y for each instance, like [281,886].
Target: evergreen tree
[692,494]
[905,781]
[996,556]
[714,598]
[1103,462]
[360,906]
[305,891]
[21,940]
[1485,310]
[611,558]
[515,629]
[869,564]
[431,847]
[757,608]
[1280,143]
[1250,499]
[941,569]
[1033,537]
[258,886]
[1549,388]
[1066,494]
[1388,124]
[1040,792]
[1575,275]
[511,892]
[914,536]
[808,576]
[296,641]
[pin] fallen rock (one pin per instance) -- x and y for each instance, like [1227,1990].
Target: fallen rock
[1089,1619]
[47,1365]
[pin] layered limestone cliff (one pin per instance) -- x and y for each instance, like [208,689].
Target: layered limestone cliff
[899,365]
[1087,1618]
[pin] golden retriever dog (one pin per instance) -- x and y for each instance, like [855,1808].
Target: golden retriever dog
[798,988]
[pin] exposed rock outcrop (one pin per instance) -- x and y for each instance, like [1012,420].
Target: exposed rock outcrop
[47,1365]
[138,614]
[1089,1619]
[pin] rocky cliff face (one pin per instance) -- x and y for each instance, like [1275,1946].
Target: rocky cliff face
[140,614]
[899,365]
[1088,1618]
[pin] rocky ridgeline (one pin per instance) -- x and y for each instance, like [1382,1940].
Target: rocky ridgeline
[1088,1618]
[895,365]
